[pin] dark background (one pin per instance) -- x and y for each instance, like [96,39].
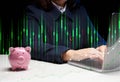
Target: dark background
[99,12]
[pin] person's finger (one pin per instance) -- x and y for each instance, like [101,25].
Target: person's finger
[102,48]
[97,57]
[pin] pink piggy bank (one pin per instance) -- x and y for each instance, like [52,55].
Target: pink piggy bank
[19,57]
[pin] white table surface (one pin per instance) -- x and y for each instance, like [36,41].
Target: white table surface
[49,72]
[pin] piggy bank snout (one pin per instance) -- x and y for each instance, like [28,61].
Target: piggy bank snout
[21,60]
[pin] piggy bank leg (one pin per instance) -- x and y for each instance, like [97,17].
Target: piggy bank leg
[13,68]
[25,67]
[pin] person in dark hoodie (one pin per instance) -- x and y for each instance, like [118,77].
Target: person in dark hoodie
[59,31]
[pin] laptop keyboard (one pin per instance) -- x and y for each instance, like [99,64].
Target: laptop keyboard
[89,62]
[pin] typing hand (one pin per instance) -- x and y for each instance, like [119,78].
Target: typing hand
[102,49]
[82,54]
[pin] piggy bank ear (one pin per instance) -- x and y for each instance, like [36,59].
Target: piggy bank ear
[28,49]
[11,49]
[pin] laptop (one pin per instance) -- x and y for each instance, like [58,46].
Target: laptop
[112,55]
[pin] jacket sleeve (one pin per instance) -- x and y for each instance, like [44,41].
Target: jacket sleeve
[94,38]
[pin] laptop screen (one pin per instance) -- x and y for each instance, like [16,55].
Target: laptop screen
[112,58]
[114,29]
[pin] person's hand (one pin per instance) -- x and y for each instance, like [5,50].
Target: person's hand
[82,54]
[102,49]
